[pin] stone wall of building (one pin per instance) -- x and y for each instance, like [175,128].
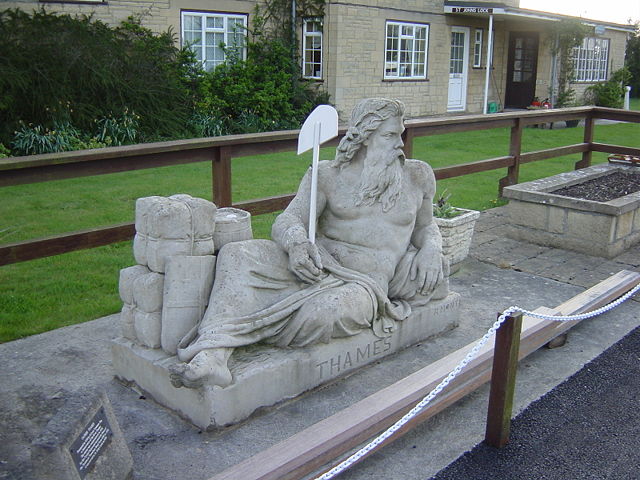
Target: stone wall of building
[155,13]
[355,62]
[158,15]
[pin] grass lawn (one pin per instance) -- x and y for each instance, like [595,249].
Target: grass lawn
[48,293]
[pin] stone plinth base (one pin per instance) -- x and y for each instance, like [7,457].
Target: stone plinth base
[264,375]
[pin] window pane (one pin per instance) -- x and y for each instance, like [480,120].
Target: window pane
[236,25]
[405,50]
[590,59]
[215,22]
[193,38]
[312,49]
[205,33]
[214,39]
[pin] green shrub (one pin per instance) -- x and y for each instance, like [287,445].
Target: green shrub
[566,35]
[609,93]
[632,61]
[207,124]
[264,92]
[74,82]
[118,130]
[59,68]
[90,143]
[35,139]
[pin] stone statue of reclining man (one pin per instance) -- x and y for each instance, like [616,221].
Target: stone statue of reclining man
[378,252]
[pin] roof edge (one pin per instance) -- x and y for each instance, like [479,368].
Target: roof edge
[499,8]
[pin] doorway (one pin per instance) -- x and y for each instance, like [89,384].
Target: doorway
[521,69]
[458,69]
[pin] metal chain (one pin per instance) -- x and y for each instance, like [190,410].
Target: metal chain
[459,368]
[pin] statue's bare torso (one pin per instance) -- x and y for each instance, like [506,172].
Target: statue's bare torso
[365,238]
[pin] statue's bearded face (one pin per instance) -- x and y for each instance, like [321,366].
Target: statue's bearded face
[382,174]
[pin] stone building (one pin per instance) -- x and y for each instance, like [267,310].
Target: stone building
[431,54]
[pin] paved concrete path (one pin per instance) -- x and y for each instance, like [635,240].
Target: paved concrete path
[38,373]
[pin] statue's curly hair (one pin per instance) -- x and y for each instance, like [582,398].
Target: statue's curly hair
[366,116]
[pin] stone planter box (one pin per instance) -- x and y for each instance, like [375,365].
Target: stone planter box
[457,233]
[603,229]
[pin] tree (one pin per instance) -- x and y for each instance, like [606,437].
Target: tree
[265,91]
[567,34]
[73,70]
[632,61]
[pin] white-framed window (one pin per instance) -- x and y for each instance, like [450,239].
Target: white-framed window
[477,47]
[405,50]
[312,48]
[213,36]
[590,60]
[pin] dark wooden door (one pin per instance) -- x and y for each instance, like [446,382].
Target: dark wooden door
[521,69]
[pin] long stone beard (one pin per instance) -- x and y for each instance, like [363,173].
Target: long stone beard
[381,179]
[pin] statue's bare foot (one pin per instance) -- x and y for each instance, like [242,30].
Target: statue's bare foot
[208,365]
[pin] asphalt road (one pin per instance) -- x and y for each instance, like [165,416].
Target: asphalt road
[586,428]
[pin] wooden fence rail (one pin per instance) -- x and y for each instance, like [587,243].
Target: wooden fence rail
[221,150]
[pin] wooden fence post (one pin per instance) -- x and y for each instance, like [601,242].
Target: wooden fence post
[588,138]
[221,176]
[503,381]
[407,138]
[515,147]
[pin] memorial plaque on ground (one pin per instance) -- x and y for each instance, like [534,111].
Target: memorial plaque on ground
[82,441]
[91,442]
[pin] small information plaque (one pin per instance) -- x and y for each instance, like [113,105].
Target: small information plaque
[88,446]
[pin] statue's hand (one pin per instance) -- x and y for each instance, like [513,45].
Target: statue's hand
[305,262]
[426,270]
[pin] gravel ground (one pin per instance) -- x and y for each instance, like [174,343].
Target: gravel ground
[586,428]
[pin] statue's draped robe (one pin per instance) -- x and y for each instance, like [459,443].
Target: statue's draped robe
[256,297]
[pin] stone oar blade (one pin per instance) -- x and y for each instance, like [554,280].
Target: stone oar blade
[319,127]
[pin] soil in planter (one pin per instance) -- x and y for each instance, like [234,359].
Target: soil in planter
[603,189]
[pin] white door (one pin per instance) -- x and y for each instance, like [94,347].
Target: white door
[458,68]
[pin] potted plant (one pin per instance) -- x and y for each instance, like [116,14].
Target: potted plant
[456,228]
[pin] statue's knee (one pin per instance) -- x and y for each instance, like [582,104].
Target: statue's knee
[355,299]
[339,312]
[349,303]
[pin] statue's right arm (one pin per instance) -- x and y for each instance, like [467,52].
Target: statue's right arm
[290,231]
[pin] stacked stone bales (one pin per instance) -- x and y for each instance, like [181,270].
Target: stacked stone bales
[166,294]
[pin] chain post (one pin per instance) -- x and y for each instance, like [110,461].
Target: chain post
[503,381]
